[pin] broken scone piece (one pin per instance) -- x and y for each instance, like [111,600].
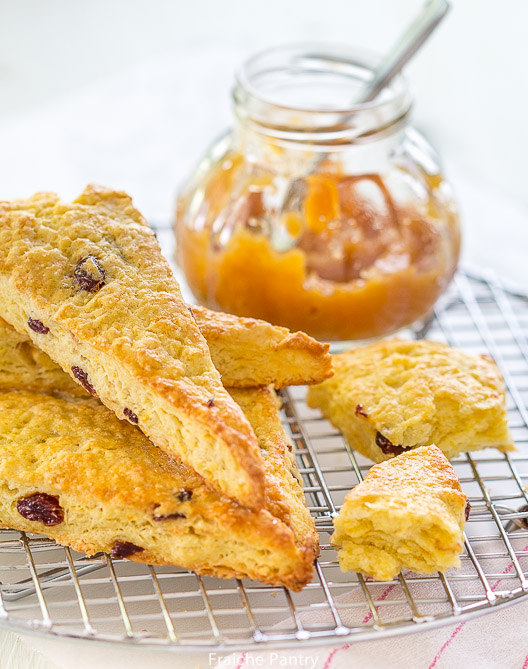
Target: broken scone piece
[87,283]
[408,512]
[394,395]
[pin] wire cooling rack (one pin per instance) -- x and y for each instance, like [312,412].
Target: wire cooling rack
[51,589]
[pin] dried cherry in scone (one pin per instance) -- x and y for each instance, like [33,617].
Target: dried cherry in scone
[184,495]
[37,326]
[89,275]
[82,377]
[360,411]
[42,508]
[169,516]
[124,549]
[132,417]
[388,447]
[210,402]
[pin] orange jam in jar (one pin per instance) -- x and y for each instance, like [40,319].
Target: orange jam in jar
[314,213]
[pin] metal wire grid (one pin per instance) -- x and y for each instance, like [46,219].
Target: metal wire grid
[51,589]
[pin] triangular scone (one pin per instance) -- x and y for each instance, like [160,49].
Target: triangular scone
[249,352]
[408,512]
[88,284]
[284,490]
[394,395]
[69,469]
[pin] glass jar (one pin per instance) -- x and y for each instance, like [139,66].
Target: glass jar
[316,213]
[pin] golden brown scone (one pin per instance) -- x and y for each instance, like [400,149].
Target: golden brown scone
[74,472]
[284,489]
[249,352]
[408,512]
[394,395]
[88,284]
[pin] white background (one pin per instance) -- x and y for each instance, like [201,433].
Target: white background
[130,92]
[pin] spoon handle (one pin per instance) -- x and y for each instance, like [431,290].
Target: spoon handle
[412,39]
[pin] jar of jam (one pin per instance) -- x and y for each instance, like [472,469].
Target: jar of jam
[314,212]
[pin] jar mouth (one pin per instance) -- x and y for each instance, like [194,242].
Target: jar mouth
[311,88]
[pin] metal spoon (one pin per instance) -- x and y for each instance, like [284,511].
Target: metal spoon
[408,44]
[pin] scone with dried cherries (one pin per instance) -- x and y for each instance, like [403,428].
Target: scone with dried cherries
[391,396]
[408,512]
[87,283]
[70,470]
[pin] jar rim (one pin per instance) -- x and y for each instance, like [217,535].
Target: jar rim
[288,69]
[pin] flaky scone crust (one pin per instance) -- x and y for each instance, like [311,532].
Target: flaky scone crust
[284,489]
[249,352]
[134,338]
[408,512]
[415,393]
[23,366]
[112,482]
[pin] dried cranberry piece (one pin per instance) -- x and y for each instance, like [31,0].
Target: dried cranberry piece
[184,495]
[124,549]
[89,274]
[210,402]
[467,510]
[41,507]
[37,326]
[360,411]
[192,313]
[82,377]
[132,417]
[388,447]
[170,516]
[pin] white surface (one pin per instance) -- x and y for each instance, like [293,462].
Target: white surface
[130,93]
[495,641]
